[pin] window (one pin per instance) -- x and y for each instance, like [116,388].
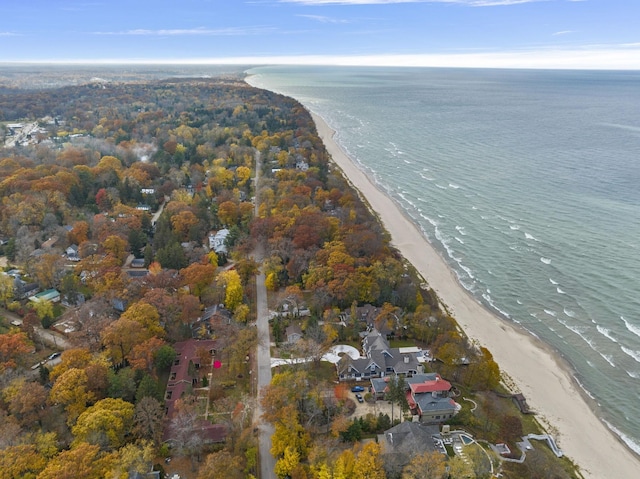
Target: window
[168,395]
[176,362]
[172,377]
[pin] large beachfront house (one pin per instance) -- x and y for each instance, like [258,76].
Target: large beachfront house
[380,360]
[428,395]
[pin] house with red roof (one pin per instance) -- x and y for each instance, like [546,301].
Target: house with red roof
[192,364]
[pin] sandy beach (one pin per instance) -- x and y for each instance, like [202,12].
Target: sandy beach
[537,372]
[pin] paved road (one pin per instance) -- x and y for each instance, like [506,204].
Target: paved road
[267,461]
[51,338]
[263,353]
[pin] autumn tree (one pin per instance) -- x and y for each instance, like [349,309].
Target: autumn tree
[21,461]
[13,345]
[148,419]
[84,460]
[430,464]
[72,391]
[233,288]
[198,276]
[105,423]
[222,465]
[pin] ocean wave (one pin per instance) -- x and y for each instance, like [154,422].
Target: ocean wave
[460,230]
[530,237]
[606,333]
[633,374]
[561,292]
[489,301]
[608,358]
[458,240]
[568,312]
[631,353]
[514,227]
[545,260]
[552,281]
[629,441]
[454,186]
[518,301]
[550,312]
[631,327]
[428,178]
[441,187]
[590,342]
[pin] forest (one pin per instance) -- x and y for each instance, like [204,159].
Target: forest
[152,171]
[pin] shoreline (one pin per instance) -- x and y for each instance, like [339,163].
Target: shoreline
[544,377]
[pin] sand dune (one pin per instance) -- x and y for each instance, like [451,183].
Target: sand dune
[539,373]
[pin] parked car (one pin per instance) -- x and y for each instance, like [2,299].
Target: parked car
[359,398]
[357,389]
[53,356]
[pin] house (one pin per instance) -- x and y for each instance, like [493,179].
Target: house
[205,431]
[143,207]
[137,263]
[187,371]
[50,243]
[380,360]
[217,241]
[405,441]
[293,333]
[429,398]
[52,295]
[72,253]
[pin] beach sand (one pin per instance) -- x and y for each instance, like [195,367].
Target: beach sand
[540,374]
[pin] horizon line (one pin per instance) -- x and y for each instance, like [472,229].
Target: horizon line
[626,57]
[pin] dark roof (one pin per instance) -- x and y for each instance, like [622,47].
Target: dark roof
[409,439]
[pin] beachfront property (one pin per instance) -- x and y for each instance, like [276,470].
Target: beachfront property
[380,360]
[428,396]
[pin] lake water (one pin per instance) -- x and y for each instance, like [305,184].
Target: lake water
[527,182]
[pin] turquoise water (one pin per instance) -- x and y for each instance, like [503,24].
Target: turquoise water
[526,182]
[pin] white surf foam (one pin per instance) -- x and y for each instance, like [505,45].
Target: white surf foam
[608,358]
[458,240]
[545,260]
[631,327]
[630,352]
[606,333]
[530,237]
[550,312]
[627,440]
[553,282]
[569,313]
[560,292]
[514,227]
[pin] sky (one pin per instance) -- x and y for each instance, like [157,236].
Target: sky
[602,34]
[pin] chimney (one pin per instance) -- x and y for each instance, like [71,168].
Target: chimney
[406,359]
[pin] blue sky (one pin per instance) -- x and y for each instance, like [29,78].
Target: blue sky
[517,33]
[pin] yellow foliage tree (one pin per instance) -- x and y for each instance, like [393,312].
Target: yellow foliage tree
[71,390]
[287,463]
[105,423]
[233,288]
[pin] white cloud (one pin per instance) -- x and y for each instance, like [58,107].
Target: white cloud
[471,3]
[563,32]
[230,31]
[9,34]
[323,19]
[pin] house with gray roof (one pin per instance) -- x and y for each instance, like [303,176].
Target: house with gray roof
[379,360]
[405,441]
